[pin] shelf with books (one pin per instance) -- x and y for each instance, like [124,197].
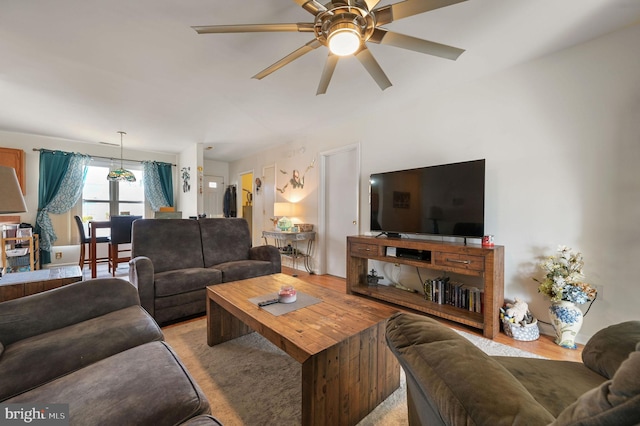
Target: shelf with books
[487,264]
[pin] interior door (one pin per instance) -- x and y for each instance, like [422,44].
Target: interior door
[213,194]
[341,195]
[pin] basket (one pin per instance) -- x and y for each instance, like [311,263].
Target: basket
[305,227]
[17,261]
[525,333]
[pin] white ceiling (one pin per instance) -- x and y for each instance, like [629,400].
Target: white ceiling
[83,69]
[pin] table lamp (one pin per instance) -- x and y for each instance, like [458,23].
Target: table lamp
[283,210]
[11,200]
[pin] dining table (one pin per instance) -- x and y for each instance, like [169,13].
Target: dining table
[93,227]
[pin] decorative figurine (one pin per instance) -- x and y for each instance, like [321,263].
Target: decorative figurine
[373,278]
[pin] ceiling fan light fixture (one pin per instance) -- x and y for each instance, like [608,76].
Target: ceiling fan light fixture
[344,42]
[344,35]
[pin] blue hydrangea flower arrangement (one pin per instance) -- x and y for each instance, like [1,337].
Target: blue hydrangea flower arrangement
[564,278]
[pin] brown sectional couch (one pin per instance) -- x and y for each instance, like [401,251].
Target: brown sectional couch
[90,345]
[173,260]
[452,382]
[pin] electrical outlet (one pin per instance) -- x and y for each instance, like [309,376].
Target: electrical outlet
[58,255]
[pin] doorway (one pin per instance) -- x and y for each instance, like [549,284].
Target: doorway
[213,193]
[339,206]
[245,199]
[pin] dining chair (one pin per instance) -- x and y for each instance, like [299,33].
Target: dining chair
[85,241]
[120,234]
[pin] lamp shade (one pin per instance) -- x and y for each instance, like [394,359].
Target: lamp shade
[282,209]
[121,174]
[11,200]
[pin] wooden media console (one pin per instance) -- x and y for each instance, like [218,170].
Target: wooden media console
[487,263]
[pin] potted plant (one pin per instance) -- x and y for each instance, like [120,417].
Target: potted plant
[564,285]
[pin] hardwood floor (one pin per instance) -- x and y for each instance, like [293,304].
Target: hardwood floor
[544,346]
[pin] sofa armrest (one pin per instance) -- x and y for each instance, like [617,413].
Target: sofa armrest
[455,383]
[61,307]
[141,275]
[268,253]
[609,347]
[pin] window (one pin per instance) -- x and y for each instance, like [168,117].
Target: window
[102,199]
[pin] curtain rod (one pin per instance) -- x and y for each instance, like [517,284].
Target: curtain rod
[107,158]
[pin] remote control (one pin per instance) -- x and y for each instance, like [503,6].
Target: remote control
[268,302]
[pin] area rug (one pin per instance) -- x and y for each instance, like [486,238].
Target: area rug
[249,381]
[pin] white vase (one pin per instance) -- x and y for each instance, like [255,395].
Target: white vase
[566,319]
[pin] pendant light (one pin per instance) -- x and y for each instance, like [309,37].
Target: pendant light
[121,174]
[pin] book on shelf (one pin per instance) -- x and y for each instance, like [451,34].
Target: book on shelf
[444,291]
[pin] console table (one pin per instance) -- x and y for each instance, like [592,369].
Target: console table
[284,240]
[19,284]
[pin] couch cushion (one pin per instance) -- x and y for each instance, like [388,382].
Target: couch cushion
[180,281]
[616,402]
[40,313]
[224,240]
[609,347]
[169,243]
[39,359]
[145,385]
[171,308]
[554,384]
[243,269]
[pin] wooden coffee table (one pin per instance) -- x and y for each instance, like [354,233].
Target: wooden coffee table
[347,369]
[19,284]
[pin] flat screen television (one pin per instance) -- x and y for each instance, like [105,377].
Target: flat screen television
[446,200]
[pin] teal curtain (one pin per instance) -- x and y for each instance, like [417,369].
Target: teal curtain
[62,176]
[158,184]
[166,180]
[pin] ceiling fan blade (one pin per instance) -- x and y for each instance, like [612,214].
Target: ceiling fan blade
[313,44]
[406,8]
[369,62]
[327,73]
[311,6]
[382,36]
[302,27]
[371,4]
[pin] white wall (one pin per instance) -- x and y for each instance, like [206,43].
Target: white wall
[301,156]
[190,197]
[217,168]
[561,136]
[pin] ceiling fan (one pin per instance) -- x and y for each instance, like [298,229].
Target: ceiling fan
[345,27]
